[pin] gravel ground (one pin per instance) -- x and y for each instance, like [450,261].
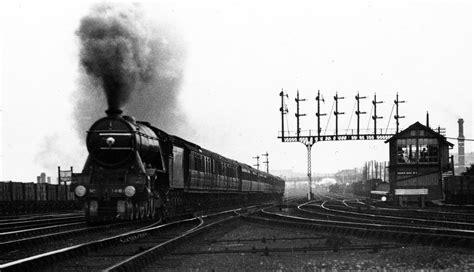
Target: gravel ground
[406,257]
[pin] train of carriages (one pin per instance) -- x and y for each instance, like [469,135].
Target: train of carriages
[20,197]
[135,170]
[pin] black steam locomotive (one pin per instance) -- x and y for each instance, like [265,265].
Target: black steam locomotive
[136,171]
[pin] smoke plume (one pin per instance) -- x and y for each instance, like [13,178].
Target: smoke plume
[136,65]
[115,49]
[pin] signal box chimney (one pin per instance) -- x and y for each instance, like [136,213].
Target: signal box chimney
[427,119]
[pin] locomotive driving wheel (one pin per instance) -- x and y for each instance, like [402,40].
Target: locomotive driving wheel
[147,209]
[151,203]
[141,212]
[129,210]
[136,212]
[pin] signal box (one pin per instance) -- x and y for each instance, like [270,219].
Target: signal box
[419,156]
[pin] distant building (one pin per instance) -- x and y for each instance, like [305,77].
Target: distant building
[418,158]
[41,178]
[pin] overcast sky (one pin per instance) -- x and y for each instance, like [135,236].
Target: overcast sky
[239,55]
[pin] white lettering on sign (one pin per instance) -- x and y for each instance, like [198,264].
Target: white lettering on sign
[422,191]
[407,173]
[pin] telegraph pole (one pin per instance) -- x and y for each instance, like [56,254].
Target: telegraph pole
[319,114]
[358,112]
[336,113]
[266,160]
[258,161]
[375,117]
[283,112]
[298,115]
[397,102]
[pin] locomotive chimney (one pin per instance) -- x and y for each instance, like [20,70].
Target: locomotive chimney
[113,112]
[461,138]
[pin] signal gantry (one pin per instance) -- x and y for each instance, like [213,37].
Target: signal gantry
[309,139]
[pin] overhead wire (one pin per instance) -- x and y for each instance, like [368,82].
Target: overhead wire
[352,113]
[389,118]
[452,138]
[368,123]
[329,119]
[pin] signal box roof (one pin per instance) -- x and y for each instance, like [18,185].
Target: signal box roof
[427,133]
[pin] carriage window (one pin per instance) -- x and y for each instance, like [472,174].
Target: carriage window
[199,163]
[196,162]
[191,161]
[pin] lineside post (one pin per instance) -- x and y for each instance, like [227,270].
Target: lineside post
[310,188]
[397,116]
[283,111]
[358,113]
[266,160]
[336,113]
[258,162]
[319,114]
[298,115]
[375,116]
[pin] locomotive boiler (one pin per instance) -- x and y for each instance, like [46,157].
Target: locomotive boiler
[136,171]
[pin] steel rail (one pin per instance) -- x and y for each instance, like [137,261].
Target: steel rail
[141,259]
[48,257]
[466,236]
[399,218]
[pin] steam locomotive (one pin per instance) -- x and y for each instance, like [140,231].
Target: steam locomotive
[136,171]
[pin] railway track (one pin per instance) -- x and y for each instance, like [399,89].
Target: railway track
[462,218]
[12,225]
[347,225]
[125,250]
[54,234]
[345,203]
[325,211]
[36,231]
[10,218]
[427,214]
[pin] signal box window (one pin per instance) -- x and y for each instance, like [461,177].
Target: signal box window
[406,150]
[417,151]
[428,150]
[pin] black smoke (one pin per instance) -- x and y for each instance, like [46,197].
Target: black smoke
[116,51]
[130,64]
